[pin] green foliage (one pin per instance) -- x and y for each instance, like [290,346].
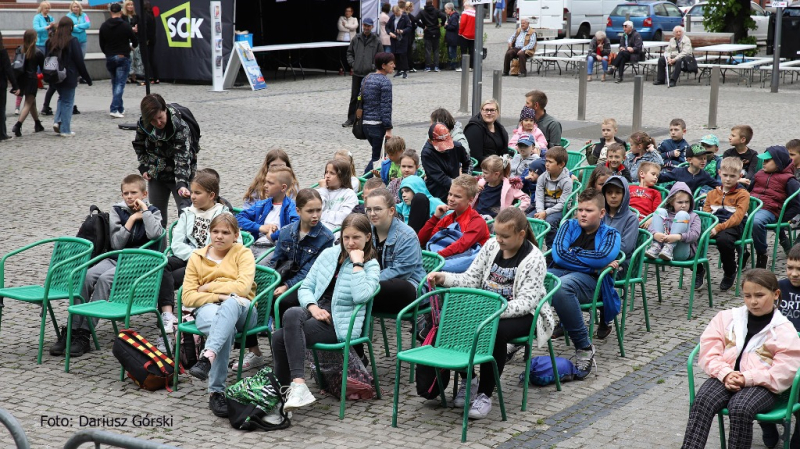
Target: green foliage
[749,40]
[716,13]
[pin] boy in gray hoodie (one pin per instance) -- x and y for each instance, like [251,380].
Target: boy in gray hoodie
[552,189]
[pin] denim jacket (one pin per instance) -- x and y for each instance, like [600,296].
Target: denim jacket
[303,252]
[402,256]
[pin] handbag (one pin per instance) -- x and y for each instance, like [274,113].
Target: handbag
[358,123]
[689,64]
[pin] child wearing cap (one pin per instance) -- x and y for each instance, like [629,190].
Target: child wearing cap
[443,160]
[693,174]
[527,151]
[773,184]
[527,126]
[529,177]
[710,143]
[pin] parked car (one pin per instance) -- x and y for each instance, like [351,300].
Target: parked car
[694,20]
[650,19]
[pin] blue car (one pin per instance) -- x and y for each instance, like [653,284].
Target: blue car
[650,19]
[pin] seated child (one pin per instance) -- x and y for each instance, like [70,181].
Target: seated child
[596,154]
[734,350]
[676,229]
[496,190]
[644,198]
[266,217]
[739,138]
[443,160]
[527,126]
[620,217]
[372,183]
[793,147]
[276,158]
[552,190]
[693,174]
[338,197]
[529,178]
[789,306]
[527,152]
[347,156]
[673,150]
[599,176]
[472,226]
[729,203]
[132,223]
[395,146]
[409,165]
[615,155]
[710,143]
[416,205]
[773,184]
[642,150]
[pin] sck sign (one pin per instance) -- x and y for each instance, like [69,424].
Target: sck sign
[181,28]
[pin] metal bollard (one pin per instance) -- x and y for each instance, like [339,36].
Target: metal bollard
[464,84]
[638,98]
[582,85]
[714,99]
[497,86]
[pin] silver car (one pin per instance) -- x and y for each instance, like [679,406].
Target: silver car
[694,20]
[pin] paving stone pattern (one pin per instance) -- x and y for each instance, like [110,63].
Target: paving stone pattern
[48,184]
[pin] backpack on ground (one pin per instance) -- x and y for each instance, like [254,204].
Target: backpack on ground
[143,362]
[95,228]
[19,62]
[194,127]
[54,71]
[191,345]
[542,371]
[256,403]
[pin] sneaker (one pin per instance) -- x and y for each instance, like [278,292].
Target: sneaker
[348,123]
[161,345]
[398,73]
[761,260]
[70,134]
[436,69]
[427,69]
[298,395]
[727,283]
[512,350]
[412,70]
[16,111]
[251,360]
[481,407]
[666,251]
[57,128]
[80,343]
[603,330]
[61,344]
[116,114]
[584,361]
[700,279]
[201,368]
[46,111]
[218,405]
[275,417]
[462,392]
[405,74]
[652,252]
[169,321]
[458,69]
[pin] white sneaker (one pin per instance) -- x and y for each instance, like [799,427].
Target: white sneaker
[117,115]
[16,111]
[169,321]
[57,128]
[458,69]
[462,392]
[70,134]
[251,360]
[481,407]
[298,395]
[161,346]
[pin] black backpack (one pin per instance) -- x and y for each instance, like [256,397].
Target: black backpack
[143,362]
[95,228]
[194,127]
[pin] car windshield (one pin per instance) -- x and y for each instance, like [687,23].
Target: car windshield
[633,10]
[697,10]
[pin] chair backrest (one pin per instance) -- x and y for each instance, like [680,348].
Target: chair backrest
[707,221]
[140,271]
[643,242]
[170,230]
[65,249]
[540,229]
[575,159]
[267,281]
[551,283]
[791,199]
[463,310]
[755,205]
[572,199]
[431,261]
[583,173]
[247,239]
[564,143]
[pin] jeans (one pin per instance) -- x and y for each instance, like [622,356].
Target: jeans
[300,330]
[387,48]
[221,322]
[83,48]
[760,222]
[452,54]
[576,289]
[590,64]
[159,197]
[679,225]
[375,135]
[118,67]
[431,46]
[66,99]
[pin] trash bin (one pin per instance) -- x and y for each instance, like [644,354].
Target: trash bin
[790,36]
[248,37]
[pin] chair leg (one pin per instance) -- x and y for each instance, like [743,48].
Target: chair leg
[553,362]
[343,394]
[624,309]
[441,387]
[69,342]
[166,340]
[241,357]
[41,333]
[467,405]
[646,311]
[94,333]
[413,345]
[527,360]
[721,421]
[320,383]
[116,332]
[787,433]
[708,284]
[374,369]
[385,339]
[620,331]
[680,280]
[658,284]
[775,245]
[396,392]
[499,390]
[176,359]
[739,268]
[691,294]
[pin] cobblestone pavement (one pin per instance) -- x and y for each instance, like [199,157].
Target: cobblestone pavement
[48,183]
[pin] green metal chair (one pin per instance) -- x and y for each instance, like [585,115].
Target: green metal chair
[236,210]
[134,291]
[583,173]
[564,143]
[473,163]
[551,284]
[708,221]
[746,239]
[575,159]
[785,405]
[572,199]
[780,225]
[68,254]
[635,275]
[266,281]
[540,229]
[465,338]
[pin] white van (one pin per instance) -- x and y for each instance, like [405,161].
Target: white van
[586,17]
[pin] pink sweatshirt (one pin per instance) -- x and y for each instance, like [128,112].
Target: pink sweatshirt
[770,359]
[510,192]
[538,136]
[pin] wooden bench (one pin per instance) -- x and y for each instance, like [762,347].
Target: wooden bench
[703,39]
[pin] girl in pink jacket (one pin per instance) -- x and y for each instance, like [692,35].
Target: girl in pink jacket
[751,354]
[527,125]
[496,191]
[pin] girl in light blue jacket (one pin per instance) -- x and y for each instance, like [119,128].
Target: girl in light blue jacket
[82,23]
[340,282]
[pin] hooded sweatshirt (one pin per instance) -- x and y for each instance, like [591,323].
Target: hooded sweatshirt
[441,167]
[117,37]
[416,185]
[773,188]
[695,226]
[551,194]
[730,207]
[625,221]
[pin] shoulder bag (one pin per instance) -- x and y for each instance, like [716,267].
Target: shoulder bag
[358,123]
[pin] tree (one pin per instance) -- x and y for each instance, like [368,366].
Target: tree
[729,16]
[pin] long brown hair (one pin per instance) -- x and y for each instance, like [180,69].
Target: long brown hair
[62,35]
[517,218]
[362,224]
[643,139]
[29,44]
[256,189]
[342,169]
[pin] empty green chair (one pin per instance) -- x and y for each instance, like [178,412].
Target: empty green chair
[68,254]
[583,173]
[540,229]
[575,159]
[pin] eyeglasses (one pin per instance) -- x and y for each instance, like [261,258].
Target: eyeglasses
[489,111]
[374,210]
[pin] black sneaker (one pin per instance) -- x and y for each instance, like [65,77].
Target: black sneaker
[700,280]
[59,346]
[46,111]
[761,260]
[558,332]
[769,432]
[75,110]
[217,404]
[348,123]
[727,283]
[603,330]
[745,259]
[200,370]
[80,343]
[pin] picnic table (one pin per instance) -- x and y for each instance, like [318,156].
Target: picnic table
[300,47]
[722,49]
[547,57]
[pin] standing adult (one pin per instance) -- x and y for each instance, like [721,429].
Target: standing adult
[451,35]
[43,24]
[137,65]
[547,124]
[630,48]
[64,45]
[679,47]
[28,82]
[399,29]
[116,40]
[150,21]
[347,26]
[383,19]
[81,23]
[412,35]
[521,45]
[599,50]
[377,102]
[6,76]
[361,57]
[167,154]
[432,20]
[466,32]
[485,134]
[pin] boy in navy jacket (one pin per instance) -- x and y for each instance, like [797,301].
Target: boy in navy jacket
[693,175]
[673,150]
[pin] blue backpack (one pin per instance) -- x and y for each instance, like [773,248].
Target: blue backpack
[457,263]
[542,371]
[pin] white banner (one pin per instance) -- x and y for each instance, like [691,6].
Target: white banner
[216,46]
